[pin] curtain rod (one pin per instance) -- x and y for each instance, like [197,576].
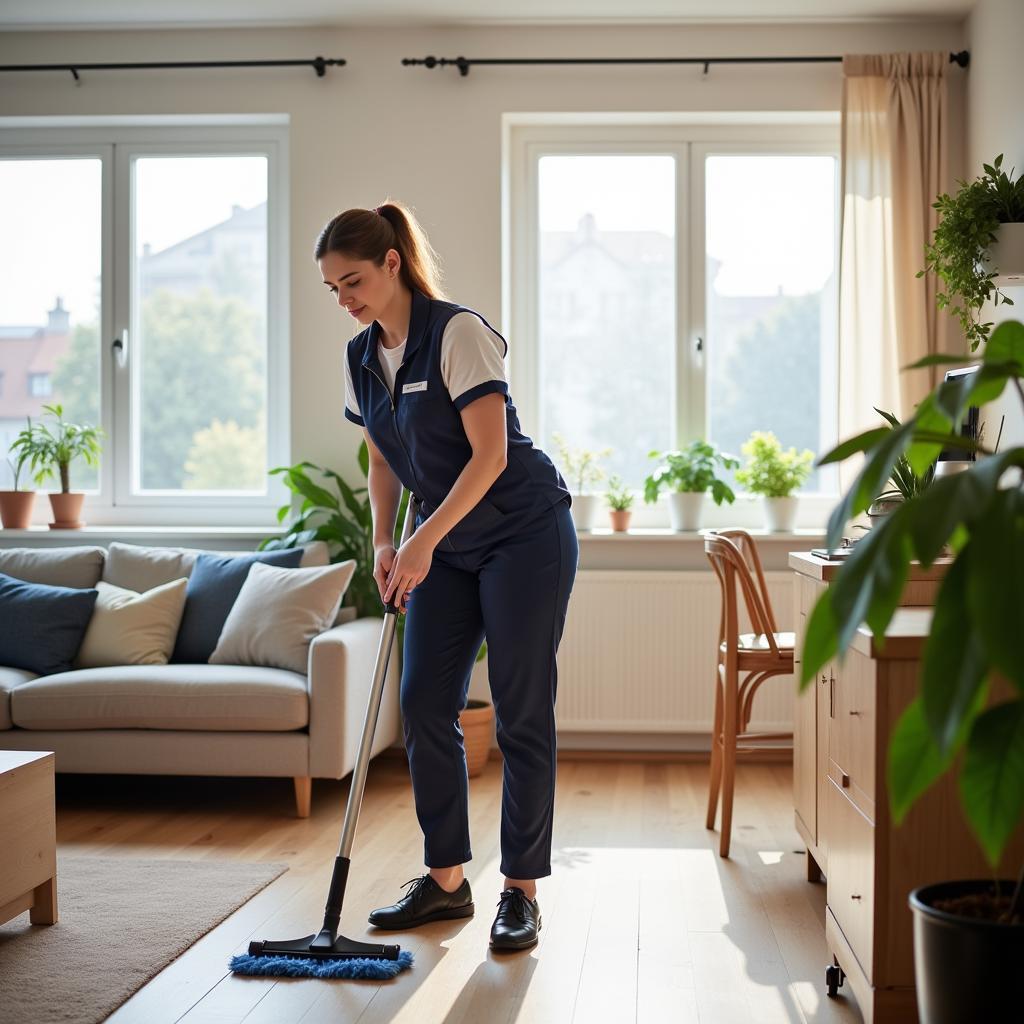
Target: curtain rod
[962,58]
[318,64]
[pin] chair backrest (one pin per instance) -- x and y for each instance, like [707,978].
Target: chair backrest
[733,556]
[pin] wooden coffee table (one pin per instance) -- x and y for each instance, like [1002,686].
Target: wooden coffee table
[28,856]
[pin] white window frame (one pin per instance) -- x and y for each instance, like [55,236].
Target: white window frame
[116,141]
[688,137]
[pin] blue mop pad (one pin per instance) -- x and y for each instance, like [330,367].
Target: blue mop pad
[290,967]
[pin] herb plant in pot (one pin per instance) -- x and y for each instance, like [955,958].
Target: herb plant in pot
[49,449]
[904,482]
[979,242]
[16,505]
[581,468]
[620,504]
[968,714]
[689,474]
[775,475]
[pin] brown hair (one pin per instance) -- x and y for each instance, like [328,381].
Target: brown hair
[368,234]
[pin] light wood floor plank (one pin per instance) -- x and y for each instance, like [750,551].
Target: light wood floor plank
[643,921]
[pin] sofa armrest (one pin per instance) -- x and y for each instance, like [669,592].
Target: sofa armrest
[341,664]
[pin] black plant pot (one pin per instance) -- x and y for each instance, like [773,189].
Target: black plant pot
[966,969]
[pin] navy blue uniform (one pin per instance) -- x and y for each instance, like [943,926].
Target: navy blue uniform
[504,572]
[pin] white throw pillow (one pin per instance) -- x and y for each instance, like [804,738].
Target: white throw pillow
[128,628]
[278,612]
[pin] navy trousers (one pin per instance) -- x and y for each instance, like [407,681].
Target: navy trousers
[512,586]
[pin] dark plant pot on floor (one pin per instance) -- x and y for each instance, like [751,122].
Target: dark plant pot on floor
[965,968]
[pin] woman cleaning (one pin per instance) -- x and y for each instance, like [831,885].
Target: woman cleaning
[493,555]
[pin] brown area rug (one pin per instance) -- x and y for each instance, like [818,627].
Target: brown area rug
[120,922]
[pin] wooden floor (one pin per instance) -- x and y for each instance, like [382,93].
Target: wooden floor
[642,921]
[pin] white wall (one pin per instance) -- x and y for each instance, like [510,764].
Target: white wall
[433,139]
[995,124]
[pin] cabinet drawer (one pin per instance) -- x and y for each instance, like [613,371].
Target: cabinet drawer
[851,874]
[852,740]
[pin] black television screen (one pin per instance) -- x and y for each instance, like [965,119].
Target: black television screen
[969,427]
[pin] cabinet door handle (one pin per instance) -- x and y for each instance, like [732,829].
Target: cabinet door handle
[854,897]
[854,712]
[846,781]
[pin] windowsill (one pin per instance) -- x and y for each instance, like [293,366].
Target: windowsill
[665,534]
[115,531]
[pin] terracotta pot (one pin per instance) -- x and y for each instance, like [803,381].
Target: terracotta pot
[67,507]
[16,509]
[620,519]
[477,724]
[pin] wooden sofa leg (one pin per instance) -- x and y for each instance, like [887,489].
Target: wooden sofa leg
[303,794]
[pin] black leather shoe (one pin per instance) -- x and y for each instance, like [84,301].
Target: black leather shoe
[425,901]
[518,921]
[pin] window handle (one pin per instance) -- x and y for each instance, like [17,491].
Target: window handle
[120,347]
[699,344]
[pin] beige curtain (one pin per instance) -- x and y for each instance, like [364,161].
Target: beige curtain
[893,166]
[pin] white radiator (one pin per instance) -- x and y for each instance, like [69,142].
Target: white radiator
[638,654]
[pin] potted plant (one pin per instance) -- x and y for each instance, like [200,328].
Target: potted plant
[774,474]
[620,503]
[906,483]
[49,450]
[581,468]
[969,933]
[16,505]
[689,474]
[343,520]
[978,242]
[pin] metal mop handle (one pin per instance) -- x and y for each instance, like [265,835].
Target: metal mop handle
[355,793]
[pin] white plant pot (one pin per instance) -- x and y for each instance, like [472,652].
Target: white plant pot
[1006,256]
[780,514]
[684,509]
[584,510]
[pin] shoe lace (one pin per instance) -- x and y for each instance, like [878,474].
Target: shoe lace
[515,900]
[418,885]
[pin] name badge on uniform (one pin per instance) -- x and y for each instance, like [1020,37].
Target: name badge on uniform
[418,386]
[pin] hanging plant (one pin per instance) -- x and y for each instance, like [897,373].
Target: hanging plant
[968,224]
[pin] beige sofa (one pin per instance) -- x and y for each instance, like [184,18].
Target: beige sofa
[201,719]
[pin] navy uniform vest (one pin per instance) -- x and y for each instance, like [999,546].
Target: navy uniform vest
[420,431]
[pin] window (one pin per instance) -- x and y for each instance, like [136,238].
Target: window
[40,385]
[158,313]
[675,282]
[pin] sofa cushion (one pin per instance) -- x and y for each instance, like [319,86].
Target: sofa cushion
[10,678]
[43,626]
[78,567]
[212,588]
[139,568]
[278,612]
[132,629]
[204,697]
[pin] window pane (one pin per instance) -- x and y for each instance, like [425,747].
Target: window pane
[607,306]
[50,215]
[770,251]
[200,320]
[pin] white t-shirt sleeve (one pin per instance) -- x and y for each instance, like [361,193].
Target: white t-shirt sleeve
[351,403]
[472,359]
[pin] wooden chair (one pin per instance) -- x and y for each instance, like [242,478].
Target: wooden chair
[757,656]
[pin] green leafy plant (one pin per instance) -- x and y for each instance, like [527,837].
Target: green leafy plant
[692,469]
[770,471]
[968,225]
[18,463]
[50,448]
[975,633]
[906,484]
[340,515]
[580,465]
[620,497]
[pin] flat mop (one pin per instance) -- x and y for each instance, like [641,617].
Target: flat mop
[326,954]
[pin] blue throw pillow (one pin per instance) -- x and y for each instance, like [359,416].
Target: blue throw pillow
[41,627]
[212,588]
